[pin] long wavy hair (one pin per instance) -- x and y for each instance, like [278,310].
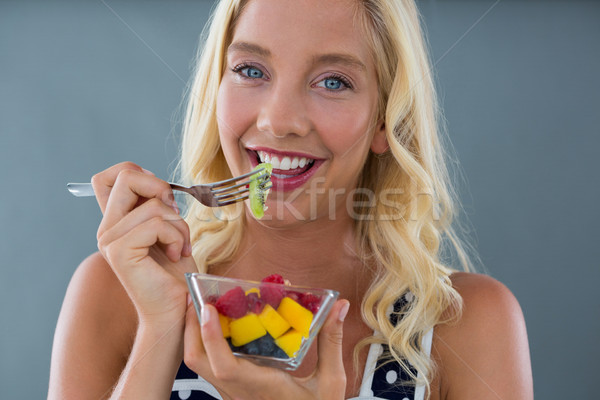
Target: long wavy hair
[409,235]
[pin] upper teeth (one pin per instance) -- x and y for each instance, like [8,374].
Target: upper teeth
[284,162]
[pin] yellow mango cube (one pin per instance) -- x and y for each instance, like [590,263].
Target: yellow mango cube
[253,290]
[224,321]
[290,342]
[274,323]
[246,329]
[297,316]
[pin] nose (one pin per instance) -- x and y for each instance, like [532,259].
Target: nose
[283,112]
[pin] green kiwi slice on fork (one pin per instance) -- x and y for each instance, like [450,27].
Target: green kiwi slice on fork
[259,189]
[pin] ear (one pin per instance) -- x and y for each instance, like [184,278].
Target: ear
[379,144]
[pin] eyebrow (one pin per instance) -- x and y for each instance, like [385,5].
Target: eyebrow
[338,58]
[330,58]
[249,48]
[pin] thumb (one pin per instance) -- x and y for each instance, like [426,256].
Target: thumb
[330,365]
[193,348]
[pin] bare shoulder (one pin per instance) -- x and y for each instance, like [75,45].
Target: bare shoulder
[485,298]
[94,333]
[485,353]
[96,292]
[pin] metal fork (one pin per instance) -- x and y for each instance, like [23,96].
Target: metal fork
[217,194]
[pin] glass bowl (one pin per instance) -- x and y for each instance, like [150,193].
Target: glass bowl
[271,324]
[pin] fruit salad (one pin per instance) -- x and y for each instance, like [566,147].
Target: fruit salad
[270,321]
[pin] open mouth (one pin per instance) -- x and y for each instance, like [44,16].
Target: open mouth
[290,171]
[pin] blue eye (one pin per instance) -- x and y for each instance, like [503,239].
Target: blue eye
[248,71]
[335,83]
[332,84]
[252,72]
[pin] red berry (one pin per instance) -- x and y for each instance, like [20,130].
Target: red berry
[296,296]
[310,302]
[212,299]
[255,303]
[275,278]
[272,294]
[233,303]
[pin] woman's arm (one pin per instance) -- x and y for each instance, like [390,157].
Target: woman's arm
[99,350]
[123,316]
[153,364]
[485,355]
[94,334]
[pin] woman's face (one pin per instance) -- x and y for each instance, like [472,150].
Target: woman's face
[299,91]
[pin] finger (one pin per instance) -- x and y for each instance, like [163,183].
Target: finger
[194,352]
[222,361]
[194,355]
[133,247]
[104,181]
[150,209]
[330,365]
[127,190]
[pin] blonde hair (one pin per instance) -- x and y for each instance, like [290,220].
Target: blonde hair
[404,236]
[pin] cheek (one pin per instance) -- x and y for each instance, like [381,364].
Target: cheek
[232,121]
[233,114]
[345,129]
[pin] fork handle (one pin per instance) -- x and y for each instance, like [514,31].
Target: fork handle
[81,189]
[86,189]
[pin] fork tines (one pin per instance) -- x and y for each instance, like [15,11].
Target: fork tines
[228,188]
[236,178]
[226,194]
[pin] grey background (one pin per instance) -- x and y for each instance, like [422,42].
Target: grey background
[79,91]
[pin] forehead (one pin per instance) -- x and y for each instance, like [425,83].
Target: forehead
[294,27]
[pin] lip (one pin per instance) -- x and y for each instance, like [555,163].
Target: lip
[291,183]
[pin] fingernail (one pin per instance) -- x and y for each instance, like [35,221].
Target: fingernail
[147,172]
[189,299]
[343,312]
[206,311]
[175,208]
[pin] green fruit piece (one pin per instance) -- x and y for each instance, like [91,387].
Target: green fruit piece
[259,189]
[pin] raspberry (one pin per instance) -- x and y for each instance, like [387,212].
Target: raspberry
[255,304]
[212,299]
[275,278]
[310,302]
[272,294]
[296,296]
[233,303]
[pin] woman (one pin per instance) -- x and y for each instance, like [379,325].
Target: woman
[339,97]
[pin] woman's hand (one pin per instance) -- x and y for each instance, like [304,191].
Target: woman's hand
[208,354]
[145,241]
